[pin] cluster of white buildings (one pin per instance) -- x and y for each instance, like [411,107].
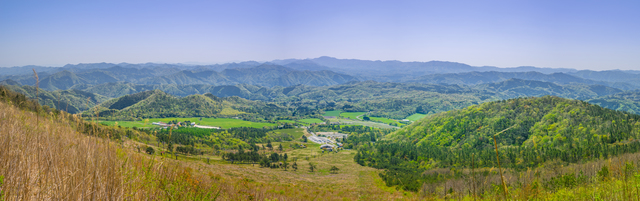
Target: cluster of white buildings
[165,125]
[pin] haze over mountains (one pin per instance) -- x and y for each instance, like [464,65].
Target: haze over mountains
[327,79]
[327,70]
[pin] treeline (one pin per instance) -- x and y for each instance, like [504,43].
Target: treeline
[273,160]
[217,139]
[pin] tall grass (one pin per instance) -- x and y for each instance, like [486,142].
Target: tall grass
[57,160]
[67,158]
[52,162]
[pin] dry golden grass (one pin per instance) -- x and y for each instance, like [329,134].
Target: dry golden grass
[53,161]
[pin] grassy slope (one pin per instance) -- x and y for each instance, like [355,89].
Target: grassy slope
[287,121]
[384,120]
[351,115]
[332,113]
[416,117]
[295,132]
[78,167]
[311,120]
[365,123]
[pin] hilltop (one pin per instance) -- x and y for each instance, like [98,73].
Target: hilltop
[71,100]
[628,101]
[538,132]
[548,121]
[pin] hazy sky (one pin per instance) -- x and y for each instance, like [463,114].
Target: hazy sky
[561,34]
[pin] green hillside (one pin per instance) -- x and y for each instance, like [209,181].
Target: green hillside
[71,100]
[551,122]
[157,104]
[542,130]
[628,101]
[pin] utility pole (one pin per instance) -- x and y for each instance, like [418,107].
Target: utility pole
[504,186]
[473,172]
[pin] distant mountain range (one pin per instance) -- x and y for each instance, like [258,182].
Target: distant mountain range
[474,78]
[389,88]
[393,100]
[322,71]
[264,75]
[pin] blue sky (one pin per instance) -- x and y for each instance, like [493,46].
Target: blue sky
[595,35]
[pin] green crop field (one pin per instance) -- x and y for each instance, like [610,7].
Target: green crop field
[219,122]
[287,121]
[351,115]
[295,132]
[384,120]
[332,113]
[311,120]
[416,117]
[366,123]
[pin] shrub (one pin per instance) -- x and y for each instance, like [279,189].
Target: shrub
[150,150]
[334,170]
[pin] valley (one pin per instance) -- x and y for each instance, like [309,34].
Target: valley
[320,100]
[426,137]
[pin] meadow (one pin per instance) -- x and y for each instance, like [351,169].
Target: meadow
[365,123]
[287,121]
[311,120]
[295,132]
[351,115]
[332,113]
[416,117]
[385,120]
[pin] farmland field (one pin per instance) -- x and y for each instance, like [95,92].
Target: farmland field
[416,117]
[383,120]
[219,122]
[351,115]
[311,120]
[295,132]
[365,123]
[332,113]
[287,121]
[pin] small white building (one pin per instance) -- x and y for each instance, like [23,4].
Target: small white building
[326,146]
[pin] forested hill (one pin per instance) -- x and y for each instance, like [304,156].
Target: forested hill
[154,104]
[475,78]
[625,101]
[545,129]
[71,100]
[544,121]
